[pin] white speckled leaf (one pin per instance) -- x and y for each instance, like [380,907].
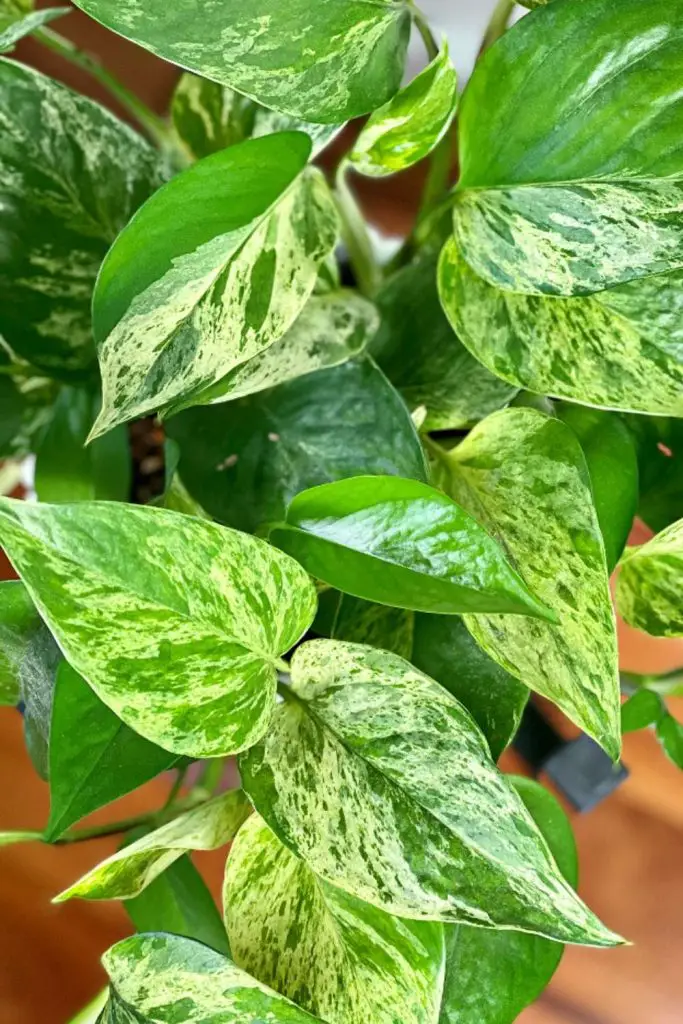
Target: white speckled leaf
[176,623]
[212,270]
[159,979]
[19,623]
[650,584]
[382,782]
[11,31]
[328,61]
[407,128]
[525,477]
[343,960]
[71,175]
[126,873]
[622,349]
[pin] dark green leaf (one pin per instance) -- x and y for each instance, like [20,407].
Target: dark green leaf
[377,625]
[644,708]
[659,444]
[19,621]
[670,735]
[649,584]
[13,407]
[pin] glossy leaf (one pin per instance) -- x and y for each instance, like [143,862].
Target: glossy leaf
[492,976]
[525,476]
[130,870]
[407,128]
[175,622]
[72,176]
[341,959]
[670,735]
[644,708]
[417,349]
[649,584]
[326,62]
[158,978]
[214,268]
[94,757]
[209,117]
[382,782]
[12,31]
[245,461]
[402,543]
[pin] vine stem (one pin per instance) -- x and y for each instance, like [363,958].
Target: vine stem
[155,818]
[90,1013]
[498,23]
[154,125]
[355,236]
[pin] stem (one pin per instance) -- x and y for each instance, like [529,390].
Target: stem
[98,831]
[211,777]
[176,787]
[422,25]
[90,1013]
[356,238]
[498,23]
[155,126]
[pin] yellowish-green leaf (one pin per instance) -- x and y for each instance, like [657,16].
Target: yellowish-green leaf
[343,960]
[650,584]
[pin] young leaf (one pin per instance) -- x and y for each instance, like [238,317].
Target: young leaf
[525,476]
[649,584]
[491,976]
[94,757]
[175,622]
[214,268]
[402,543]
[12,31]
[343,960]
[407,128]
[382,782]
[618,350]
[644,708]
[72,176]
[130,870]
[670,735]
[245,461]
[158,978]
[328,61]
[209,117]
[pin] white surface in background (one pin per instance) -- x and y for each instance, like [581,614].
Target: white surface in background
[463,23]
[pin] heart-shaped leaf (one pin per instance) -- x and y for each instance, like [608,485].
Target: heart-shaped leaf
[649,584]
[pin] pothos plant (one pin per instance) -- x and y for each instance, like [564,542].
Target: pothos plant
[391,507]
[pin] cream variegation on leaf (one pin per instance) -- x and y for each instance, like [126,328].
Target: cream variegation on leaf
[650,584]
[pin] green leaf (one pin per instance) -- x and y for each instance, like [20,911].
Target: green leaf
[659,445]
[245,461]
[644,708]
[670,684]
[492,976]
[68,471]
[72,176]
[612,463]
[214,268]
[157,978]
[376,625]
[568,180]
[19,621]
[382,782]
[11,33]
[175,622]
[621,349]
[402,543]
[94,757]
[13,406]
[209,117]
[649,584]
[130,870]
[407,128]
[417,349]
[525,476]
[341,959]
[329,61]
[670,735]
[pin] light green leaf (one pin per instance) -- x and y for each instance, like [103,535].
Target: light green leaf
[644,708]
[159,978]
[670,735]
[209,117]
[650,584]
[417,349]
[525,476]
[622,349]
[407,128]
[245,461]
[343,960]
[327,62]
[214,268]
[11,33]
[130,870]
[382,782]
[10,10]
[175,622]
[72,175]
[402,543]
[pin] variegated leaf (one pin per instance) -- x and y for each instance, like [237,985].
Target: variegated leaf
[328,61]
[622,349]
[212,270]
[382,782]
[209,117]
[71,176]
[343,960]
[176,623]
[19,622]
[156,979]
[130,870]
[11,30]
[650,584]
[525,477]
[407,128]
